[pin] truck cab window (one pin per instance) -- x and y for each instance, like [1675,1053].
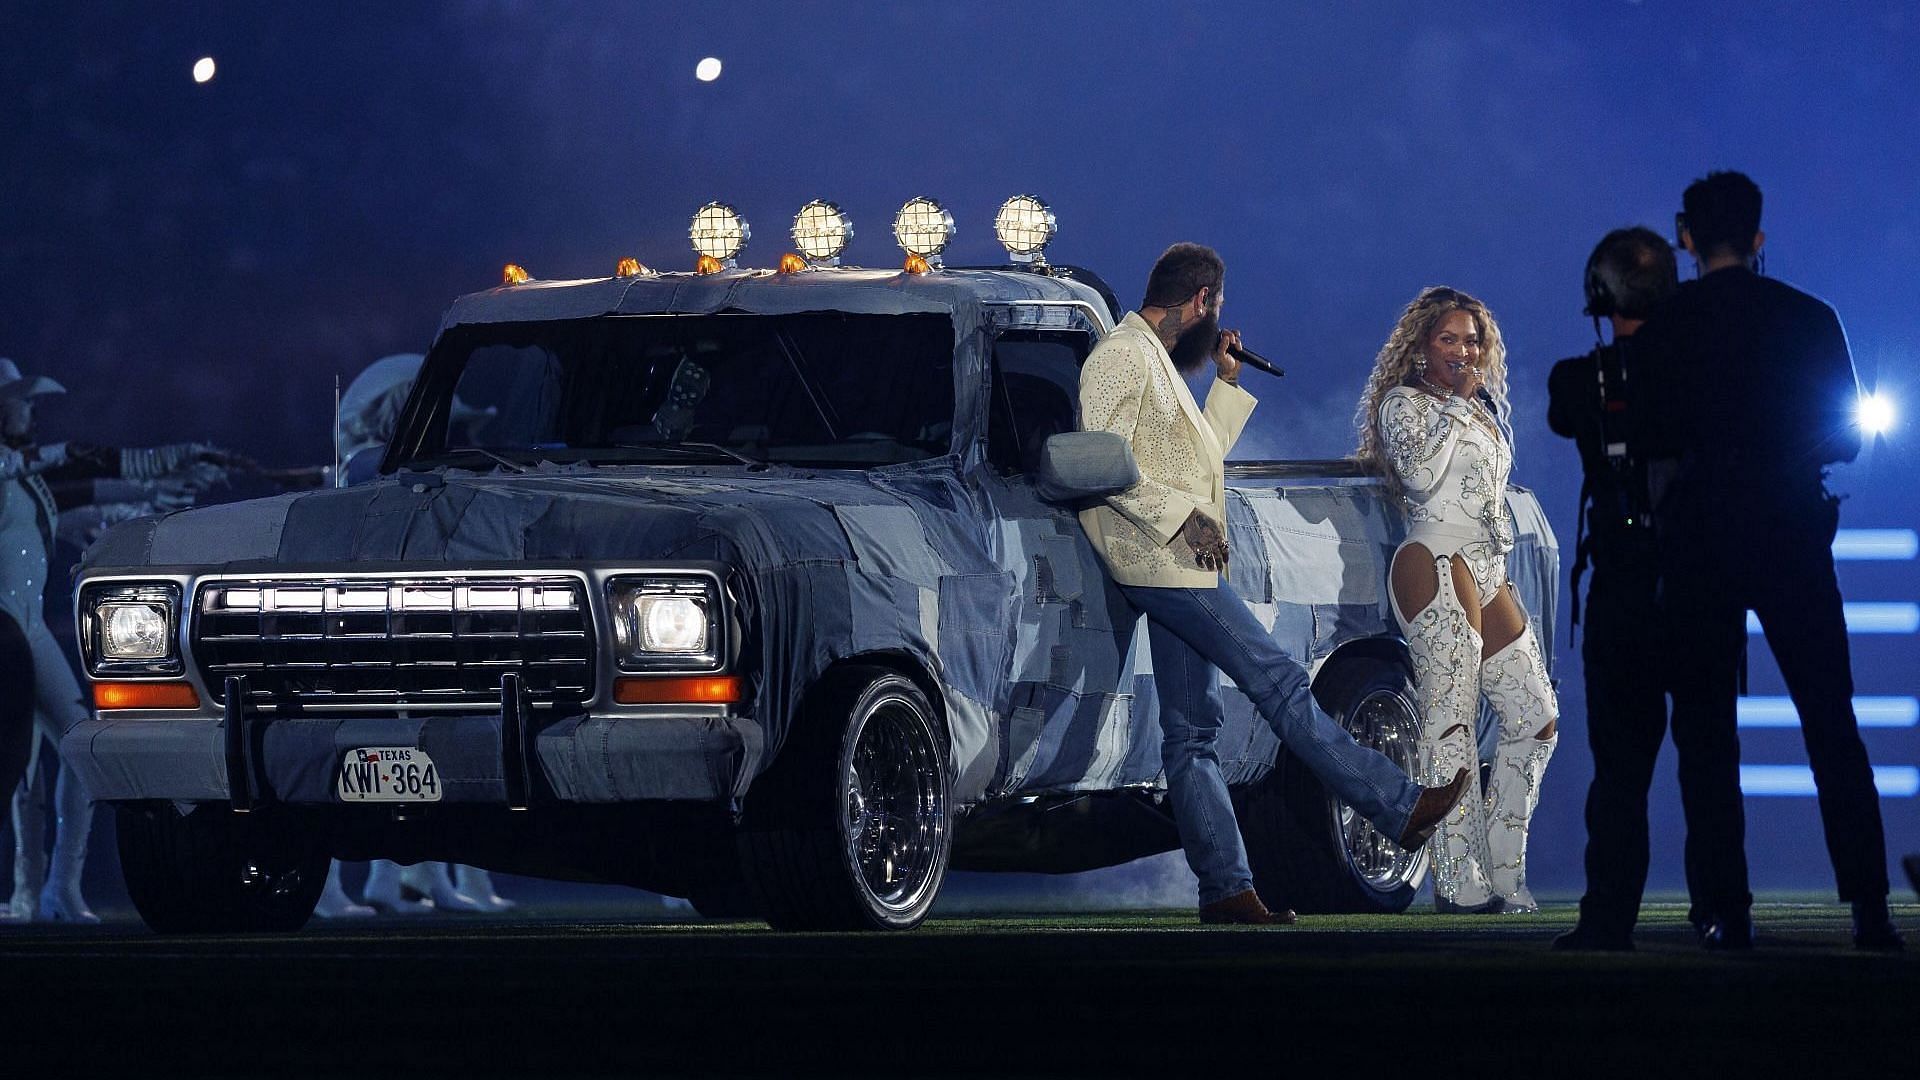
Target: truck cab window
[823,389]
[1036,394]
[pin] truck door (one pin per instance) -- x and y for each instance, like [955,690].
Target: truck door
[1073,722]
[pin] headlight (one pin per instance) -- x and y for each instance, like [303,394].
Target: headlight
[1024,226]
[671,624]
[133,631]
[923,227]
[129,629]
[667,624]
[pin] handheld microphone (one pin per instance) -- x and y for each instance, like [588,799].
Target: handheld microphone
[1254,360]
[1485,398]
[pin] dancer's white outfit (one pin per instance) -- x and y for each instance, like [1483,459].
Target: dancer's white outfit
[27,519]
[1452,462]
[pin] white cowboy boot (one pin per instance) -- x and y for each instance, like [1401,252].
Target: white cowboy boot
[476,886]
[1516,685]
[432,880]
[29,849]
[60,900]
[1446,670]
[383,892]
[334,901]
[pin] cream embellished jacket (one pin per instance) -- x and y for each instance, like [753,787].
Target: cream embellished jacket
[1130,387]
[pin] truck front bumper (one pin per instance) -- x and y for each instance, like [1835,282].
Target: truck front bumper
[580,759]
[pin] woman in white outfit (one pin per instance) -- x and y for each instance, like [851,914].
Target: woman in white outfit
[1432,424]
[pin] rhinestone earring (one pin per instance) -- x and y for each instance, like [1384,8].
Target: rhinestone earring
[1420,364]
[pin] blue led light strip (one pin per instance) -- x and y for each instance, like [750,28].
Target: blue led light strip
[1869,617]
[1876,544]
[1894,781]
[1872,712]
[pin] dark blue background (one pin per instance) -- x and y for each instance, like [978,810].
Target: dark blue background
[203,260]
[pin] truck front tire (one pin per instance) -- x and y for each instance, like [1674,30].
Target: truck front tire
[851,827]
[1307,850]
[214,871]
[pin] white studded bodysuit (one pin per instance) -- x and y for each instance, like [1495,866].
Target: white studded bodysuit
[1452,464]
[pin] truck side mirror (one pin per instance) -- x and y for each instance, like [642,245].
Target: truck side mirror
[1078,468]
[363,465]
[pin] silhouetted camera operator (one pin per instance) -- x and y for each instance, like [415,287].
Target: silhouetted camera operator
[1750,394]
[1592,400]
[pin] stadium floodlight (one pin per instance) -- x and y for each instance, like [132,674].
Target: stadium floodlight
[1874,413]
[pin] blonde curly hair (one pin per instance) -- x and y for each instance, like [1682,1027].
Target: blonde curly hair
[1395,367]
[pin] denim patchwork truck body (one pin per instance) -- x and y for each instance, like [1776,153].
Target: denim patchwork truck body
[835,464]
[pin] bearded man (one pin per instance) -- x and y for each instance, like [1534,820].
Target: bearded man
[1165,542]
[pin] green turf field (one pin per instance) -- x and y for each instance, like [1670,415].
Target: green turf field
[1789,923]
[1000,995]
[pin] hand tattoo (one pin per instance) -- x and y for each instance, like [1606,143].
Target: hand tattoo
[1204,536]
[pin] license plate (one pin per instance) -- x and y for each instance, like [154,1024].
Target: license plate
[387,774]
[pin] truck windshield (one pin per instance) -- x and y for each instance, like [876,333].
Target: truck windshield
[814,388]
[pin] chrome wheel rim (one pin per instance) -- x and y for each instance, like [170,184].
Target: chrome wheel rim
[1386,721]
[895,799]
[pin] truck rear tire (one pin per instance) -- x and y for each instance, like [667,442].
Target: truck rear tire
[213,871]
[1311,852]
[851,827]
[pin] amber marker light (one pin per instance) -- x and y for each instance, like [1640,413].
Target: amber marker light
[144,695]
[707,264]
[513,274]
[678,690]
[917,264]
[791,263]
[630,268]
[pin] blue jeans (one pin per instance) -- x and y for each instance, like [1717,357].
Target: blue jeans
[1193,633]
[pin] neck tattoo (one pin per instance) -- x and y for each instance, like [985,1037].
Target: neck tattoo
[1170,326]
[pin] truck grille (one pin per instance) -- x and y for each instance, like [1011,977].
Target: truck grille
[382,644]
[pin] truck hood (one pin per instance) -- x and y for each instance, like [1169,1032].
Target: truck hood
[554,513]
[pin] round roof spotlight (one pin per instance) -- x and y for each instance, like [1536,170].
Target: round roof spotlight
[821,232]
[718,233]
[1025,226]
[923,228]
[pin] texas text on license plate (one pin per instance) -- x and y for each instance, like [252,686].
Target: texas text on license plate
[388,774]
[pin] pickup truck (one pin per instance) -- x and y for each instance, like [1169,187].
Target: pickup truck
[732,585]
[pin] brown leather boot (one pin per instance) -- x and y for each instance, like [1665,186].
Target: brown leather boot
[1433,806]
[1244,909]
